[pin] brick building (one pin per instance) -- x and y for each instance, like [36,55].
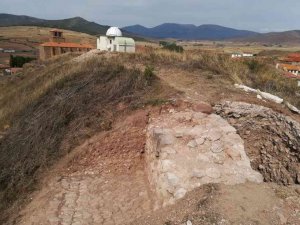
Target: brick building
[57,45]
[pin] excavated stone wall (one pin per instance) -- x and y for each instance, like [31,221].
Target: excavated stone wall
[272,140]
[185,150]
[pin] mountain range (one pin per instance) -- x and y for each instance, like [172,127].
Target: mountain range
[166,30]
[285,37]
[189,32]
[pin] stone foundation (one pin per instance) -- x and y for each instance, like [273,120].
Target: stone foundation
[185,150]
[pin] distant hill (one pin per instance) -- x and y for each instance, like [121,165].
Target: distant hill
[166,30]
[286,37]
[189,32]
[75,24]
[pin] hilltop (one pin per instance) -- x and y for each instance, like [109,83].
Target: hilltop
[91,138]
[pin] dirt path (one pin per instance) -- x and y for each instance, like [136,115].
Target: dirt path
[108,199]
[105,183]
[195,86]
[198,86]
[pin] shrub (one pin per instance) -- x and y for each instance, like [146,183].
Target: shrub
[149,74]
[163,43]
[171,46]
[254,65]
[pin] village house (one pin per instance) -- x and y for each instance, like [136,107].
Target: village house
[57,45]
[293,69]
[114,42]
[241,55]
[9,51]
[291,66]
[293,59]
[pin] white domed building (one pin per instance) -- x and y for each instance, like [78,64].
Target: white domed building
[115,42]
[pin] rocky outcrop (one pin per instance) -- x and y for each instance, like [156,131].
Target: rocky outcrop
[272,140]
[185,150]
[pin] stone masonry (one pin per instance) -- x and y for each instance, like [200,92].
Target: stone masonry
[185,150]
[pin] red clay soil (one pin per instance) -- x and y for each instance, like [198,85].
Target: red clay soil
[104,181]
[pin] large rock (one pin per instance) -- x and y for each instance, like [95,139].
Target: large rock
[194,149]
[204,108]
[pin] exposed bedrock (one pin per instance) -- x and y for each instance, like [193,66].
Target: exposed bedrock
[272,140]
[185,150]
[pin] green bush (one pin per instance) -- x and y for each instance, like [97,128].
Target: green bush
[163,43]
[149,74]
[171,46]
[254,66]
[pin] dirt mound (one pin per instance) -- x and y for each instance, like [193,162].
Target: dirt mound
[272,140]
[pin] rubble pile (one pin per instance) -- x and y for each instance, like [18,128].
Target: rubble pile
[272,140]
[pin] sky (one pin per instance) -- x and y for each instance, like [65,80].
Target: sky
[256,15]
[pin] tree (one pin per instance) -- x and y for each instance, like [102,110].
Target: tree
[19,61]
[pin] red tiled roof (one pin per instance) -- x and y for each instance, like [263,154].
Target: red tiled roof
[289,67]
[290,75]
[294,55]
[66,45]
[292,58]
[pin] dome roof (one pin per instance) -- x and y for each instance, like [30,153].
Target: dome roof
[114,32]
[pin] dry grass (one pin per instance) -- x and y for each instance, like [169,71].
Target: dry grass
[56,106]
[258,73]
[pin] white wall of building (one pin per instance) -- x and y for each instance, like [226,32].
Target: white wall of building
[103,43]
[115,44]
[240,55]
